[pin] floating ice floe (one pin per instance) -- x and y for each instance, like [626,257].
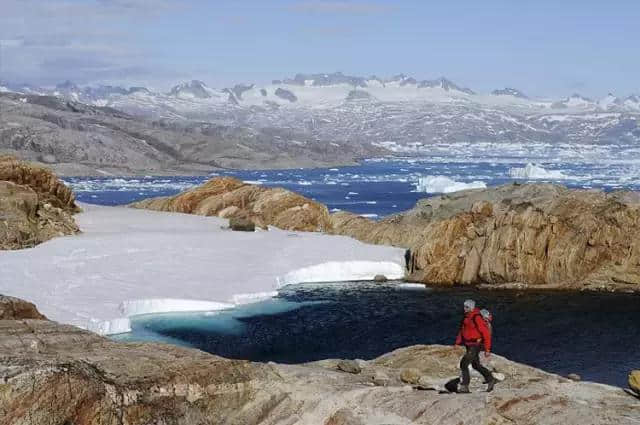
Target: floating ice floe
[443,184]
[532,171]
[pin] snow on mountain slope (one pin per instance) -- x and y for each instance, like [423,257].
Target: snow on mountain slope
[575,102]
[609,102]
[400,112]
[509,92]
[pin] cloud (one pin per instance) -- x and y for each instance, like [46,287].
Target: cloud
[44,41]
[340,7]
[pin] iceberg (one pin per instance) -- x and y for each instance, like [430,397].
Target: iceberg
[443,184]
[533,172]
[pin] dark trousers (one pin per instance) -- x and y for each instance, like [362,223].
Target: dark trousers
[472,358]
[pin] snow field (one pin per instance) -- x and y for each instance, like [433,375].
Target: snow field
[130,262]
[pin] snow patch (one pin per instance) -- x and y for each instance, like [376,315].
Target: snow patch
[443,184]
[130,262]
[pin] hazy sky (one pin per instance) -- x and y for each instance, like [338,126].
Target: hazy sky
[545,48]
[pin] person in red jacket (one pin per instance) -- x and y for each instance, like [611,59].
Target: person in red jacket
[474,334]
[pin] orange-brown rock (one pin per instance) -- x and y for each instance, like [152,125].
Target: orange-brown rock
[537,234]
[16,309]
[35,205]
[44,182]
[228,197]
[59,374]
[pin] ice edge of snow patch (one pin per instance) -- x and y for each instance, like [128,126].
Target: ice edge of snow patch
[332,271]
[342,271]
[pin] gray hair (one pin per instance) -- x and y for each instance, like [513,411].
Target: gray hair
[470,304]
[485,313]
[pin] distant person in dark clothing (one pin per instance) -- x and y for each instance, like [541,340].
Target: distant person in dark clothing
[474,334]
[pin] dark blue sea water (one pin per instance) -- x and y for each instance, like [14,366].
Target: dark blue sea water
[376,187]
[594,335]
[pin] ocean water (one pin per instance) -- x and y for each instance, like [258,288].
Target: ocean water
[379,187]
[592,334]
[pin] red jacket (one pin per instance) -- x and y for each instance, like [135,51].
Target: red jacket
[474,330]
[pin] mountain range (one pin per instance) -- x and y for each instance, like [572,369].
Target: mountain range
[369,115]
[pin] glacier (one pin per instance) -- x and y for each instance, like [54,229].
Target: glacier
[131,262]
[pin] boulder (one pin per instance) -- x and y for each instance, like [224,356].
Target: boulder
[410,376]
[380,278]
[380,379]
[344,417]
[349,366]
[634,381]
[229,197]
[242,224]
[574,377]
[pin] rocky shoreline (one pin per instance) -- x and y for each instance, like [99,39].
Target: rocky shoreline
[59,374]
[52,373]
[539,236]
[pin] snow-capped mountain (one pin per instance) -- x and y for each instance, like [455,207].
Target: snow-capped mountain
[195,90]
[575,101]
[507,91]
[609,102]
[632,103]
[399,113]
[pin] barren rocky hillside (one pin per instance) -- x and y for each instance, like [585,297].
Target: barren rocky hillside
[79,139]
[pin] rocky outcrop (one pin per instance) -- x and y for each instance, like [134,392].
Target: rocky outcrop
[35,205]
[228,197]
[56,374]
[15,309]
[41,180]
[534,234]
[634,381]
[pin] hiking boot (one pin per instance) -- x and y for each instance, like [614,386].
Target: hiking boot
[464,389]
[491,384]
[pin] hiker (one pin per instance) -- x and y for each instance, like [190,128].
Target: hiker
[474,334]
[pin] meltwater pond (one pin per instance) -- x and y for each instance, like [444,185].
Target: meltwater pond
[592,334]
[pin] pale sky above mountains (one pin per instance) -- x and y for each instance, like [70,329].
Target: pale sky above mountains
[545,48]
